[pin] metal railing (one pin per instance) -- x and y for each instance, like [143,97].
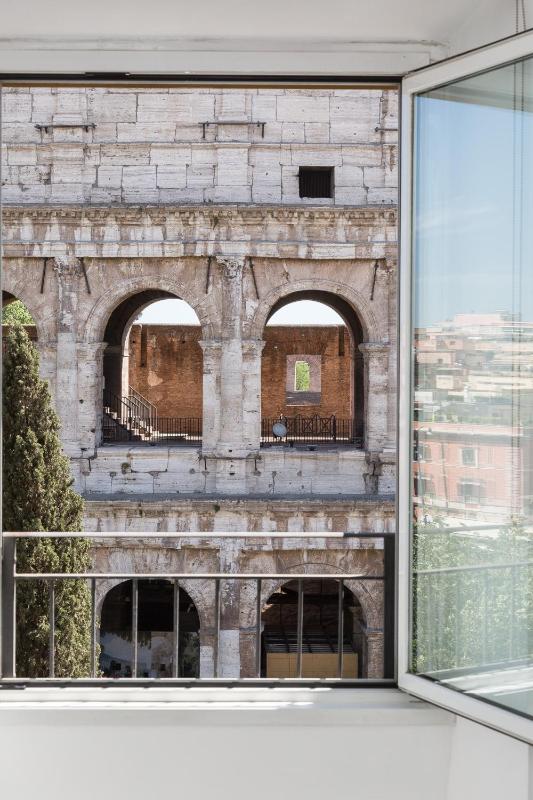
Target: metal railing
[258,582]
[143,408]
[134,419]
[473,617]
[311,430]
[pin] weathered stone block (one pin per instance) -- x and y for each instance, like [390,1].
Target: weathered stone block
[16,107]
[316,155]
[170,155]
[110,177]
[232,166]
[125,154]
[295,108]
[112,106]
[201,176]
[146,132]
[293,132]
[171,177]
[23,154]
[138,178]
[22,132]
[361,155]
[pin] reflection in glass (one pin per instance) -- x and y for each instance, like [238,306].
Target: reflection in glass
[472,544]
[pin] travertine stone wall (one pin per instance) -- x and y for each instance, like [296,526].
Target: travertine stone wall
[265,556]
[142,146]
[112,193]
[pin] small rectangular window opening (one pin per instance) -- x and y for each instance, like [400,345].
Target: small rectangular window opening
[316,181]
[302,376]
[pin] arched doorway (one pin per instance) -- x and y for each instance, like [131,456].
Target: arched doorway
[14,310]
[159,607]
[312,374]
[152,371]
[320,631]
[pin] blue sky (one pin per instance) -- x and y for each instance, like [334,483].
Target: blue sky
[468,192]
[303,312]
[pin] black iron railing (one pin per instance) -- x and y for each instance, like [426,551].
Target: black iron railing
[310,430]
[134,419]
[213,584]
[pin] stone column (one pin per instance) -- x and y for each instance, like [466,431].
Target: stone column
[251,372]
[90,390]
[229,659]
[211,395]
[231,440]
[68,272]
[376,358]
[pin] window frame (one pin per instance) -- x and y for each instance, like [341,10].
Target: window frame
[456,68]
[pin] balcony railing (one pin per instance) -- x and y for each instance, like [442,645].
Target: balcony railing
[311,430]
[296,646]
[129,419]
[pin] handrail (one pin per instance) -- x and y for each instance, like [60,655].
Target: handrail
[261,583]
[196,535]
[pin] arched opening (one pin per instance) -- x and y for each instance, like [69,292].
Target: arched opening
[159,607]
[312,372]
[152,371]
[14,311]
[320,631]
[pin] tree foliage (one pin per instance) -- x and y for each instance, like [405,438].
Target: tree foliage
[16,312]
[38,496]
[473,596]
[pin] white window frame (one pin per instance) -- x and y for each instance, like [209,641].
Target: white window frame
[423,80]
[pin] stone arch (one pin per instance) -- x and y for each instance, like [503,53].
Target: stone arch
[110,585]
[371,605]
[359,319]
[44,326]
[284,293]
[102,310]
[108,322]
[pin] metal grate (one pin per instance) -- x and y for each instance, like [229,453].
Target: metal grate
[316,181]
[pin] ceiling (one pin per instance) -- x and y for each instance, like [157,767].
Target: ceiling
[351,35]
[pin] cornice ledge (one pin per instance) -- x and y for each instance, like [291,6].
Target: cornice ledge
[190,213]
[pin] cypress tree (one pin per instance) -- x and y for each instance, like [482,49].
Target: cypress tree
[38,496]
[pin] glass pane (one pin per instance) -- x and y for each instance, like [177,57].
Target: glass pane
[472,542]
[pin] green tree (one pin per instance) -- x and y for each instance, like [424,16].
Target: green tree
[16,312]
[38,496]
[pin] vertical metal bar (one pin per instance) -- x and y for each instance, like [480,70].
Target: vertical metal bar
[134,624]
[340,629]
[51,628]
[9,608]
[485,613]
[93,627]
[175,670]
[258,608]
[217,627]
[300,627]
[513,613]
[457,620]
[389,600]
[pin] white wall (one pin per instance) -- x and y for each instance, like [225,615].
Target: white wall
[245,743]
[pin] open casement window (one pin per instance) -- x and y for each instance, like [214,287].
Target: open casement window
[466,547]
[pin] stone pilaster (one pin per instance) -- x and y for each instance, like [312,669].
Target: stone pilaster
[211,394]
[68,273]
[231,442]
[251,373]
[376,358]
[90,391]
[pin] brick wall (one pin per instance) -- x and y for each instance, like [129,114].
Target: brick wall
[166,367]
